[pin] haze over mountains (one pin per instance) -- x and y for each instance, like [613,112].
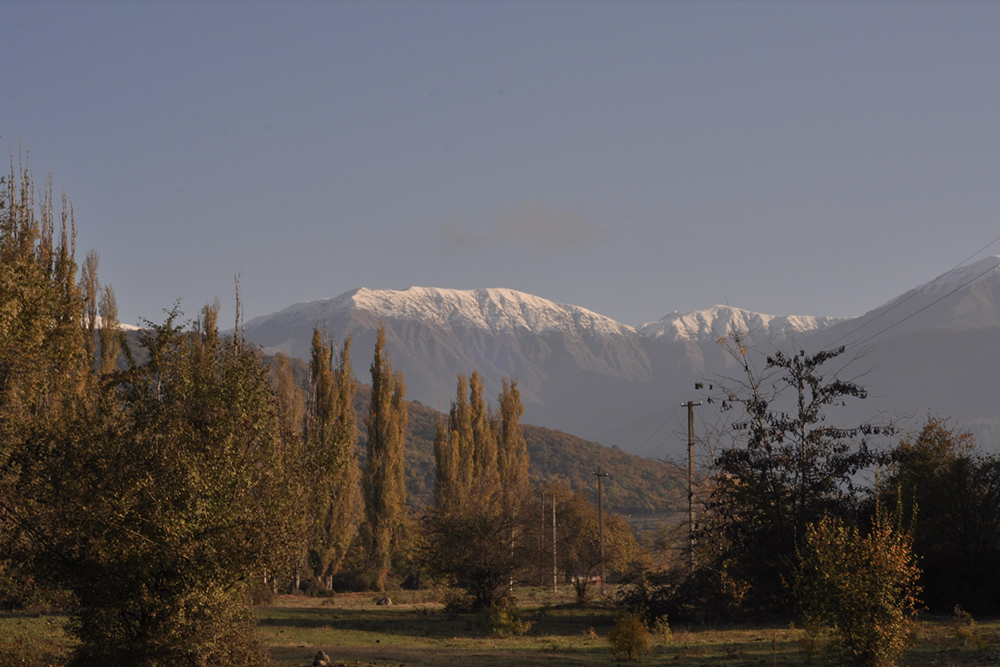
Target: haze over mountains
[933,349]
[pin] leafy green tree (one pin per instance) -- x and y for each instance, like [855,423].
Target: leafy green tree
[383,480]
[331,437]
[950,493]
[153,494]
[43,358]
[157,500]
[789,467]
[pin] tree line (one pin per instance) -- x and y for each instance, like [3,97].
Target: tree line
[804,517]
[156,490]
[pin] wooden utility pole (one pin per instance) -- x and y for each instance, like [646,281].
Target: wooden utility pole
[541,541]
[691,405]
[600,520]
[555,566]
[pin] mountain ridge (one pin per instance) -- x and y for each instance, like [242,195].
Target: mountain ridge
[587,374]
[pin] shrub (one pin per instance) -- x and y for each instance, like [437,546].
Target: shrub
[457,601]
[966,630]
[661,629]
[708,594]
[629,637]
[863,588]
[504,623]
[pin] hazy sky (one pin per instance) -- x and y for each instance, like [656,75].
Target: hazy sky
[632,158]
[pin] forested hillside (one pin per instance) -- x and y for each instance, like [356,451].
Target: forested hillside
[634,486]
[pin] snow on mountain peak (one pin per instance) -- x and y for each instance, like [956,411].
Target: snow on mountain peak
[718,321]
[961,277]
[496,309]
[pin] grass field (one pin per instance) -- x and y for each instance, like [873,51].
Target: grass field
[416,631]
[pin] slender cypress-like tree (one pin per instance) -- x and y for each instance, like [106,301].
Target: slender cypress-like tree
[90,292]
[460,434]
[513,451]
[109,334]
[383,482]
[484,436]
[331,437]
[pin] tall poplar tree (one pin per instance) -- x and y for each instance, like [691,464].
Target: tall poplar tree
[383,482]
[109,335]
[466,449]
[513,450]
[473,530]
[331,437]
[90,289]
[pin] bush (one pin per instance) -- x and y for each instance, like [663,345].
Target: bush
[457,601]
[661,630]
[629,637]
[706,595]
[966,630]
[504,623]
[863,588]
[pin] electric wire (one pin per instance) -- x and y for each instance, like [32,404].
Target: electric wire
[914,314]
[911,295]
[653,434]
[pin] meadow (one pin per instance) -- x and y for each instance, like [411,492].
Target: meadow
[417,631]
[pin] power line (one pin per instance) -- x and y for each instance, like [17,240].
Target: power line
[913,294]
[970,280]
[672,417]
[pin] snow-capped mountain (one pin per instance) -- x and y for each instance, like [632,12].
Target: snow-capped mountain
[718,321]
[434,334]
[930,349]
[500,311]
[964,299]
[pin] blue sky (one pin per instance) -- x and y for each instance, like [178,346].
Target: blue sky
[632,158]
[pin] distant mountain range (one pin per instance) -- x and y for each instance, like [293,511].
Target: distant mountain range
[933,349]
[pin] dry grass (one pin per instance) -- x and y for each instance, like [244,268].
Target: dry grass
[416,631]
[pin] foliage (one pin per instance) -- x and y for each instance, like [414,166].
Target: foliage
[635,486]
[863,587]
[330,440]
[474,532]
[629,638]
[707,594]
[383,480]
[505,623]
[151,494]
[661,629]
[789,468]
[951,494]
[578,547]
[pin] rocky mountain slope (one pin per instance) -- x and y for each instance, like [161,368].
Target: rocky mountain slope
[930,349]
